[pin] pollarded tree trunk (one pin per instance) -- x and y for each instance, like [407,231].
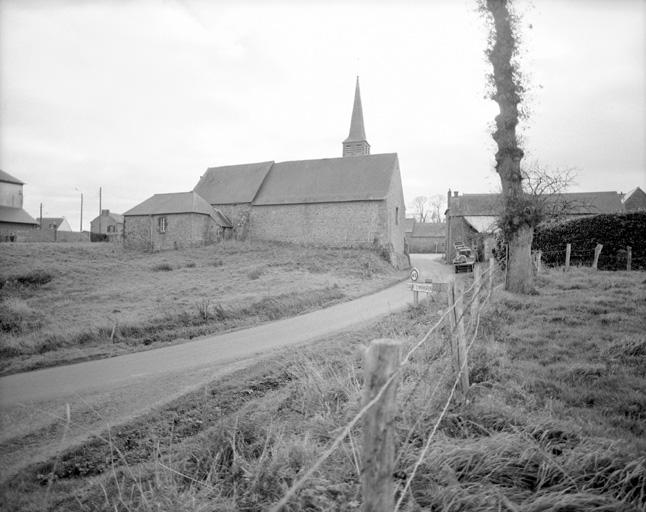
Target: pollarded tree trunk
[517,212]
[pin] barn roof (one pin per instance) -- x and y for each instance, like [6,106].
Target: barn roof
[357,178]
[178,202]
[578,203]
[16,216]
[409,223]
[8,178]
[232,184]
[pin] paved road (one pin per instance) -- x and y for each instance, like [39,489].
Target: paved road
[107,392]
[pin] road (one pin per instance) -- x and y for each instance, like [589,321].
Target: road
[122,387]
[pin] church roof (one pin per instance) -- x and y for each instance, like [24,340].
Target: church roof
[8,178]
[12,215]
[232,184]
[360,178]
[357,129]
[178,202]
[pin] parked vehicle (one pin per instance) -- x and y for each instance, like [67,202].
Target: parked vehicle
[465,258]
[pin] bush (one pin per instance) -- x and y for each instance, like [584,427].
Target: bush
[34,279]
[162,267]
[615,232]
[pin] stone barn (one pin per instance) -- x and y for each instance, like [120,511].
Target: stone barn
[173,221]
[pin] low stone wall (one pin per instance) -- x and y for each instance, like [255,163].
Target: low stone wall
[43,235]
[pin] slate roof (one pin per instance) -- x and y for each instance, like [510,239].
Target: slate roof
[579,203]
[330,180]
[8,178]
[232,184]
[16,216]
[45,222]
[409,223]
[178,202]
[429,229]
[357,128]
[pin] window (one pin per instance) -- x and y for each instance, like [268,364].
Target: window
[111,229]
[162,224]
[396,215]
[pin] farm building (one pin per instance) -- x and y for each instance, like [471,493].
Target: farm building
[173,221]
[425,237]
[12,215]
[108,224]
[471,218]
[635,200]
[59,224]
[355,200]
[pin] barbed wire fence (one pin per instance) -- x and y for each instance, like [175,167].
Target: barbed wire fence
[374,469]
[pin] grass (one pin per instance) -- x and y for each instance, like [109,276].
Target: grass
[554,422]
[64,303]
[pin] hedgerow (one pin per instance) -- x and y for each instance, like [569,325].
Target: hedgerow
[616,232]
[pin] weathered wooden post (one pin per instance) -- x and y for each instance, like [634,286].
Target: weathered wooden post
[492,263]
[381,361]
[568,250]
[475,302]
[538,265]
[458,339]
[629,258]
[597,252]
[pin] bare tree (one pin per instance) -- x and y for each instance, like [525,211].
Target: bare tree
[436,208]
[518,217]
[418,208]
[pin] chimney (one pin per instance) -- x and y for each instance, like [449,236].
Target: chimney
[105,212]
[455,194]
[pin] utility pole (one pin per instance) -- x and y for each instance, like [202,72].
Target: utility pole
[81,229]
[40,225]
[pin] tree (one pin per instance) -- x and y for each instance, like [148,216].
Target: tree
[546,190]
[419,208]
[436,207]
[518,217]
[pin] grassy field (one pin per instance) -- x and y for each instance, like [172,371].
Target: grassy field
[62,303]
[555,419]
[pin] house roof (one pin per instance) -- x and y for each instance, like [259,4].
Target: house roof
[409,222]
[429,229]
[360,178]
[8,178]
[16,216]
[178,202]
[634,192]
[482,223]
[117,217]
[578,203]
[46,222]
[232,184]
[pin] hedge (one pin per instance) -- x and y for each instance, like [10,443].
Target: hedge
[615,232]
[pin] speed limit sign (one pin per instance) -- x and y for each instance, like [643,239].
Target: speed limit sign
[414,275]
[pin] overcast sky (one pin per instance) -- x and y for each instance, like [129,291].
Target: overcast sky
[141,97]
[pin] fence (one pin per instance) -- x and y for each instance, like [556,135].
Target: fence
[623,259]
[382,367]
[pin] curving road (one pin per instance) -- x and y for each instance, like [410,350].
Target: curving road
[122,387]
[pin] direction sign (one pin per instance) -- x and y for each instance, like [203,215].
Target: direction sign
[420,287]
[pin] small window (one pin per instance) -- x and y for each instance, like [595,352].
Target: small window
[111,229]
[396,215]
[162,224]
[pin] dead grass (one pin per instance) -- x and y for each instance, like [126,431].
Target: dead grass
[555,421]
[62,303]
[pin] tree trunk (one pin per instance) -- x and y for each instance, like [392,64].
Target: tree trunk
[520,278]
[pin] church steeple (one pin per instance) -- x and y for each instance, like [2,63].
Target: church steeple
[356,143]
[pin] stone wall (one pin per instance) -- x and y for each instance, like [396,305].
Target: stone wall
[426,244]
[396,229]
[350,224]
[238,215]
[42,235]
[182,231]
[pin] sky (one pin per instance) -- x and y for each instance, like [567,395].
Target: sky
[119,100]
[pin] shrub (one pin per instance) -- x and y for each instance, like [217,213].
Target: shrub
[34,279]
[162,267]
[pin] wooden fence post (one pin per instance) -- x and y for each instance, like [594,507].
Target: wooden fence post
[492,263]
[597,252]
[629,258]
[381,361]
[538,265]
[458,339]
[568,250]
[475,302]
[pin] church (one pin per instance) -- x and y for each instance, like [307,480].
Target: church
[355,200]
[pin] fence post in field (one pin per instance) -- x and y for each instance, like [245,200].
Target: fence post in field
[538,265]
[597,252]
[458,339]
[629,258]
[475,302]
[381,361]
[491,271]
[568,250]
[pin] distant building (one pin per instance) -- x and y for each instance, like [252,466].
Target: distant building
[12,215]
[471,218]
[634,200]
[110,224]
[173,221]
[55,223]
[425,237]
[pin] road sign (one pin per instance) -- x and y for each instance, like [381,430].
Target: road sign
[420,287]
[414,274]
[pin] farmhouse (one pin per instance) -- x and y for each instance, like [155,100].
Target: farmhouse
[355,200]
[108,224]
[635,200]
[12,216]
[471,218]
[173,221]
[425,237]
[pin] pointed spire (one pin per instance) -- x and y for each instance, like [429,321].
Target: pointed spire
[356,143]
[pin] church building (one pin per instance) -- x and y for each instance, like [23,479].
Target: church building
[355,200]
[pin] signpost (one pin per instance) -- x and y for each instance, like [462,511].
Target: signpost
[426,287]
